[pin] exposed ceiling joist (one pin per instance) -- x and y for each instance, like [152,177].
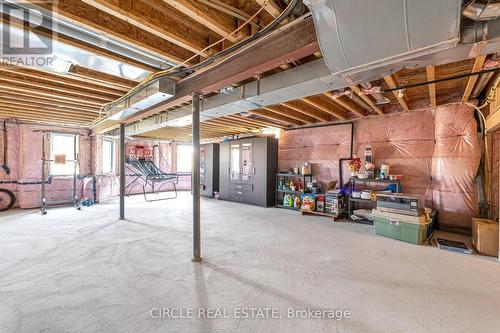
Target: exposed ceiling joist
[44,100]
[296,40]
[367,99]
[219,23]
[276,117]
[38,93]
[323,107]
[348,106]
[45,76]
[102,77]
[397,93]
[22,80]
[271,7]
[143,16]
[307,110]
[290,113]
[64,39]
[478,64]
[94,19]
[431,76]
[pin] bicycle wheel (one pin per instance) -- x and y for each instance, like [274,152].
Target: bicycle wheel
[7,199]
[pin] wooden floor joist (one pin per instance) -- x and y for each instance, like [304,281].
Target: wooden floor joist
[478,64]
[290,113]
[101,22]
[401,99]
[356,89]
[220,23]
[325,108]
[160,23]
[431,76]
[348,106]
[307,110]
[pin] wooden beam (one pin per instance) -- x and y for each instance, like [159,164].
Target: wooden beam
[307,110]
[95,49]
[287,112]
[276,117]
[44,112]
[367,99]
[431,76]
[323,107]
[219,23]
[295,40]
[5,114]
[271,7]
[402,100]
[147,18]
[44,115]
[478,64]
[45,100]
[348,106]
[102,77]
[257,123]
[37,105]
[37,92]
[58,87]
[92,18]
[46,76]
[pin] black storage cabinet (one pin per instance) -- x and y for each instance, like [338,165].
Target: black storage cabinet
[247,169]
[209,169]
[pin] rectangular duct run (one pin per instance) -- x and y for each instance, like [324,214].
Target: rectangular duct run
[156,91]
[359,35]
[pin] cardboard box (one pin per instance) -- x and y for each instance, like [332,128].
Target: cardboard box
[485,234]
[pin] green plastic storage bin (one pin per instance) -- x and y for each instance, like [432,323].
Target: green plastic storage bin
[411,229]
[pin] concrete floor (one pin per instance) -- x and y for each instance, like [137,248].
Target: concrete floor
[83,271]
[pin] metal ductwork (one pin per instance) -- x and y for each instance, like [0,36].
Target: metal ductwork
[153,93]
[371,64]
[481,10]
[358,35]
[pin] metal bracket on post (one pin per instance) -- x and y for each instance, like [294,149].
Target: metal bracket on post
[196,179]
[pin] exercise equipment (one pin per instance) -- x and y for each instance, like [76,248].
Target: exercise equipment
[59,159]
[151,175]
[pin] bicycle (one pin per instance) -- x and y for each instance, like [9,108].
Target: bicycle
[7,199]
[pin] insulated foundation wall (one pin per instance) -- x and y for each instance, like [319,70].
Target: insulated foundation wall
[24,152]
[436,151]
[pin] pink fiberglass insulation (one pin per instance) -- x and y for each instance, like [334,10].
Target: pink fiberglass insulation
[455,164]
[436,152]
[322,146]
[495,174]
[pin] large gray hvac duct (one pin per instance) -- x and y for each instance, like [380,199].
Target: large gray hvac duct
[359,35]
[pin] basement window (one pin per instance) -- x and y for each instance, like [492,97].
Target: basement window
[184,158]
[108,156]
[63,144]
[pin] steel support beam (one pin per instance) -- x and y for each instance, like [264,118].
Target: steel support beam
[122,171]
[196,179]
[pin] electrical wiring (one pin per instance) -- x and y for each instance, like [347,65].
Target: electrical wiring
[183,69]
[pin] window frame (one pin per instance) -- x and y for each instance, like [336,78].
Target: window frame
[113,156]
[177,158]
[76,151]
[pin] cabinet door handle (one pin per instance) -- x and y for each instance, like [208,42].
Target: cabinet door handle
[228,170]
[253,169]
[239,192]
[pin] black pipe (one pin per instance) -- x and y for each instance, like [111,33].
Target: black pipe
[4,133]
[455,77]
